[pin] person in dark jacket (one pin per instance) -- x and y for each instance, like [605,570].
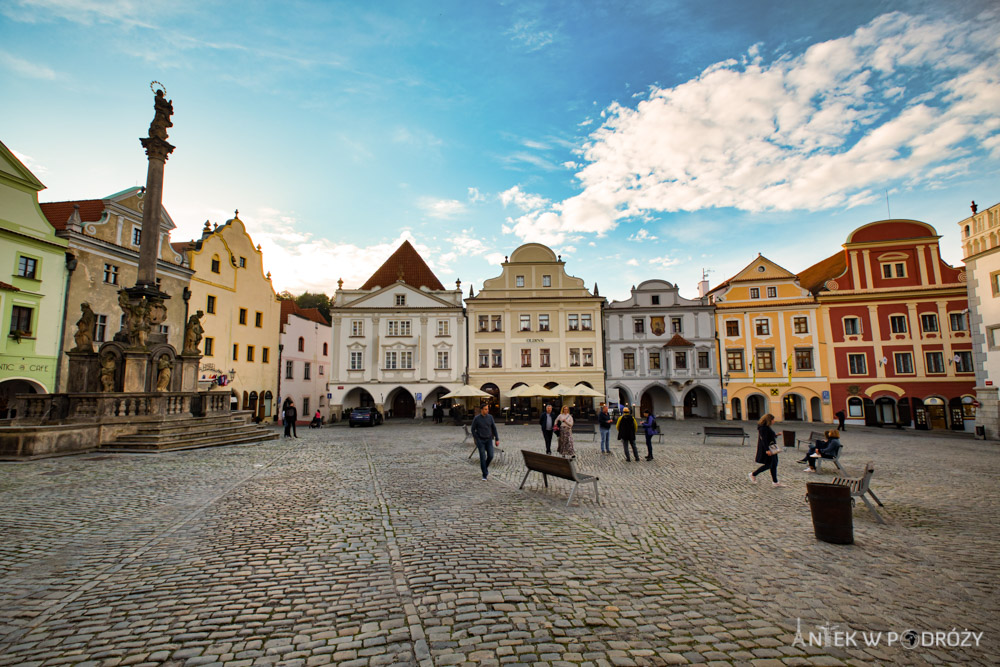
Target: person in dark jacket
[604,425]
[649,429]
[484,432]
[824,449]
[291,415]
[547,421]
[841,418]
[767,446]
[627,427]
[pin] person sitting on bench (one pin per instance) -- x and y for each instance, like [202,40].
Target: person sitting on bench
[828,449]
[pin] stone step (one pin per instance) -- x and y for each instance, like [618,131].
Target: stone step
[178,434]
[204,440]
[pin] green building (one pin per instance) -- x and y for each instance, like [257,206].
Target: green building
[32,298]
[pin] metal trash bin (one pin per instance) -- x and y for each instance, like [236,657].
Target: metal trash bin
[832,513]
[789,439]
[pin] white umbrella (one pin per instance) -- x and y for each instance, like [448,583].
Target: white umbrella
[519,391]
[466,391]
[540,391]
[583,391]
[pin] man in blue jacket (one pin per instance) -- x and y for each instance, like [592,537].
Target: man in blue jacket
[484,432]
[604,424]
[547,421]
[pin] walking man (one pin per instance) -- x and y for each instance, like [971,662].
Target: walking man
[627,427]
[484,432]
[291,416]
[547,422]
[604,424]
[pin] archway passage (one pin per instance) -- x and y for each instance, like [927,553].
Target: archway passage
[656,401]
[755,407]
[937,416]
[885,410]
[698,403]
[816,408]
[403,406]
[9,389]
[737,409]
[792,409]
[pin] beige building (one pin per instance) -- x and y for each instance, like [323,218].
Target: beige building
[242,316]
[103,236]
[534,324]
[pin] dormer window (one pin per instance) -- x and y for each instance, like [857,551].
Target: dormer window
[400,299]
[546,281]
[656,299]
[519,281]
[215,263]
[754,292]
[894,270]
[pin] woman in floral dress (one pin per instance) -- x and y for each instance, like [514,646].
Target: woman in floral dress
[564,422]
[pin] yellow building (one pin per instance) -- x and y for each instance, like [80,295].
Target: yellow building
[242,316]
[535,324]
[772,346]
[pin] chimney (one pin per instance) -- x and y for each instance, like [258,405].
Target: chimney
[75,224]
[703,288]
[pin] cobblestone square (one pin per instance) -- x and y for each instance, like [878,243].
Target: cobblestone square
[382,546]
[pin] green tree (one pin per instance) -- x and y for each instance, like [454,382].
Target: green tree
[315,300]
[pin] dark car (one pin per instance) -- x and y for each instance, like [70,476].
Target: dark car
[365,417]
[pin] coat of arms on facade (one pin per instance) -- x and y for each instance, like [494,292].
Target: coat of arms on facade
[657,326]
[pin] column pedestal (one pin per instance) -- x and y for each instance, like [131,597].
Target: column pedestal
[186,368]
[84,372]
[136,375]
[988,412]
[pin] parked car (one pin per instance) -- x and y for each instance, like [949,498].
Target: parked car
[364,417]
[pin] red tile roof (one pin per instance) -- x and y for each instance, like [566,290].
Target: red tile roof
[679,341]
[58,212]
[407,265]
[815,277]
[289,307]
[9,288]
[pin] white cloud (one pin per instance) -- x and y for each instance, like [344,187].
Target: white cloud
[523,200]
[442,209]
[633,262]
[664,261]
[642,235]
[29,162]
[475,196]
[527,34]
[24,68]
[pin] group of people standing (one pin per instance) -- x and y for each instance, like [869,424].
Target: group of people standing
[626,425]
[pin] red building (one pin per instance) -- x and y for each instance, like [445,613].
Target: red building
[897,336]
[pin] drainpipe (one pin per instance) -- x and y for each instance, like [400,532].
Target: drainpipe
[71,263]
[277,408]
[718,368]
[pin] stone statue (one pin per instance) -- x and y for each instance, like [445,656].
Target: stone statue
[164,109]
[192,333]
[84,335]
[108,373]
[165,368]
[136,327]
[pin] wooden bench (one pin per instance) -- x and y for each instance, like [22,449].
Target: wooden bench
[860,487]
[835,459]
[725,432]
[811,440]
[585,428]
[557,466]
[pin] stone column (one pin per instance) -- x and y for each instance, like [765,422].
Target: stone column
[988,412]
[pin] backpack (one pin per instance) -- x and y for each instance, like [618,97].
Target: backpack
[654,425]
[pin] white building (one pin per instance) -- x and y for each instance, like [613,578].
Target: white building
[305,359]
[662,352]
[398,340]
[981,252]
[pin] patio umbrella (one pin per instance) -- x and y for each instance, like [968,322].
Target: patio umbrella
[466,391]
[540,391]
[520,391]
[583,391]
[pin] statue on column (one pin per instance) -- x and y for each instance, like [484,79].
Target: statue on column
[84,335]
[164,367]
[136,327]
[192,333]
[163,109]
[108,373]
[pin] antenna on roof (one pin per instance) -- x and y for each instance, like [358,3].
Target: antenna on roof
[887,211]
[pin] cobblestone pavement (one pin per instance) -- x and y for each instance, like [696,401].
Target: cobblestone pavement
[382,546]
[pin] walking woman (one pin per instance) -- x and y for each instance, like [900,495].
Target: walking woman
[564,425]
[767,450]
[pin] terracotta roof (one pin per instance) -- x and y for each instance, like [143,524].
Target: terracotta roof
[289,307]
[815,277]
[679,341]
[181,246]
[58,212]
[9,288]
[407,265]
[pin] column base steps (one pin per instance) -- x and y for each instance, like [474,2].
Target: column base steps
[193,433]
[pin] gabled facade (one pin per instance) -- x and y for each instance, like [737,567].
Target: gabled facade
[398,341]
[32,299]
[305,359]
[661,352]
[899,348]
[241,316]
[535,324]
[772,338]
[981,252]
[103,237]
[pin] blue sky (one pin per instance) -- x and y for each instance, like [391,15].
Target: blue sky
[638,139]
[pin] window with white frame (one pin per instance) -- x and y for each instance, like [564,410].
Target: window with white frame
[484,323]
[628,361]
[654,299]
[857,364]
[102,328]
[734,360]
[357,328]
[852,326]
[804,359]
[497,323]
[27,267]
[654,361]
[484,358]
[929,322]
[20,320]
[894,270]
[588,356]
[765,360]
[391,360]
[525,358]
[111,274]
[357,361]
[544,357]
[585,322]
[772,292]
[400,299]
[676,325]
[638,325]
[959,321]
[680,360]
[574,356]
[497,357]
[442,360]
[935,362]
[897,324]
[855,407]
[574,323]
[307,371]
[543,322]
[704,361]
[732,327]
[525,322]
[754,292]
[443,327]
[546,281]
[398,328]
[800,325]
[903,363]
[289,370]
[762,326]
[519,281]
[406,360]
